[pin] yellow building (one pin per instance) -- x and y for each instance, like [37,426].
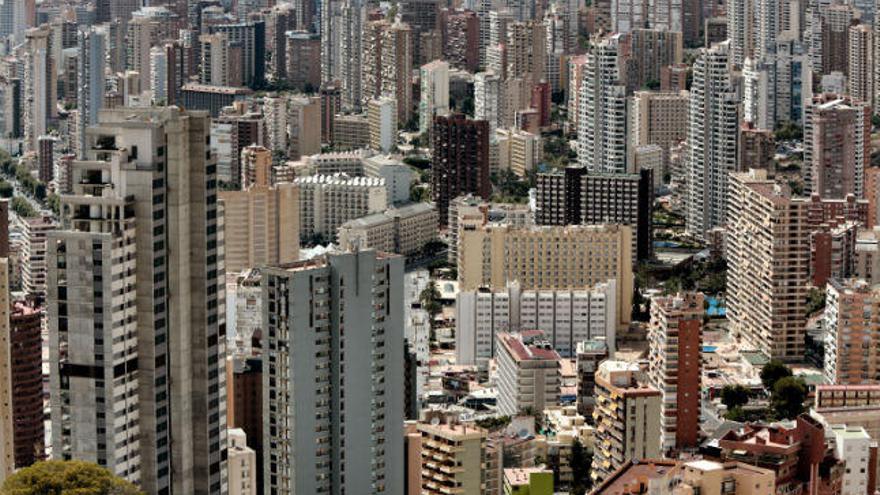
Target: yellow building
[548,257]
[453,459]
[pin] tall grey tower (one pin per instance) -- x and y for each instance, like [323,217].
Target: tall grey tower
[333,382]
[136,305]
[91,48]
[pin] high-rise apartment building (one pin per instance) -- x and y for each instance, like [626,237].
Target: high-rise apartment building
[137,263]
[26,352]
[577,197]
[602,123]
[250,37]
[589,353]
[261,225]
[675,339]
[460,160]
[7,421]
[713,124]
[518,151]
[387,65]
[91,47]
[659,118]
[38,86]
[768,253]
[527,50]
[627,418]
[146,29]
[488,103]
[434,94]
[303,58]
[382,116]
[334,401]
[860,55]
[548,257]
[34,257]
[528,375]
[651,50]
[461,45]
[852,318]
[836,146]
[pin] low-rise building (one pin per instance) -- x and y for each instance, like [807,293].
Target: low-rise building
[528,481]
[403,230]
[453,459]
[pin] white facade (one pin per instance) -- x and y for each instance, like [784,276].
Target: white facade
[566,317]
[434,99]
[328,201]
[712,140]
[853,446]
[487,100]
[602,123]
[242,464]
[382,115]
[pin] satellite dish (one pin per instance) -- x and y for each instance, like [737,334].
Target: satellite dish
[435,421]
[523,433]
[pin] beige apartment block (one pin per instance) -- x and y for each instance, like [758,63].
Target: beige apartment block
[261,226]
[548,257]
[453,459]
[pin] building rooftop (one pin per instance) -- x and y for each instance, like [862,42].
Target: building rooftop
[341,179]
[634,476]
[523,352]
[522,476]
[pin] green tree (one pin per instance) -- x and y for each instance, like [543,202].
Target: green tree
[67,477]
[430,299]
[581,461]
[815,301]
[22,208]
[788,397]
[734,396]
[6,189]
[772,372]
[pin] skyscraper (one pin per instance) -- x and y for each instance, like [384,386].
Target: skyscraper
[488,100]
[91,48]
[675,338]
[602,136]
[460,160]
[333,382]
[769,254]
[837,146]
[712,132]
[137,264]
[434,95]
[860,54]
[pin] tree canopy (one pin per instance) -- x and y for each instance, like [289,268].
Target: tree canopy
[773,372]
[734,396]
[789,394]
[68,478]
